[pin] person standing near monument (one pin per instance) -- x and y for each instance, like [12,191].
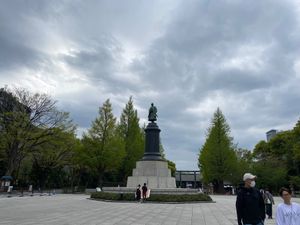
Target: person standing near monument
[144,190]
[250,206]
[138,193]
[288,213]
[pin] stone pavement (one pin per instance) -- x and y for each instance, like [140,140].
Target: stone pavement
[63,209]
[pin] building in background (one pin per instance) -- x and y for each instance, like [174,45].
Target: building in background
[271,133]
[188,178]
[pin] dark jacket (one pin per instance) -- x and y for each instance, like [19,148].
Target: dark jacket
[144,188]
[138,194]
[250,206]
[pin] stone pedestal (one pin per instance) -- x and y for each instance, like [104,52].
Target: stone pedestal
[152,142]
[155,174]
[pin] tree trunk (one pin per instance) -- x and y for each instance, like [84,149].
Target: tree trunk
[218,186]
[72,180]
[14,159]
[100,179]
[10,167]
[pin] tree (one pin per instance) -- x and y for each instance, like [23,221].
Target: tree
[171,164]
[133,137]
[172,167]
[217,159]
[27,121]
[77,166]
[103,147]
[274,161]
[52,157]
[272,174]
[244,164]
[3,159]
[262,151]
[296,149]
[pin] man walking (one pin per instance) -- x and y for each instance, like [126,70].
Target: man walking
[268,197]
[250,206]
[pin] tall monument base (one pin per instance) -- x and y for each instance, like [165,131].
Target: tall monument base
[155,174]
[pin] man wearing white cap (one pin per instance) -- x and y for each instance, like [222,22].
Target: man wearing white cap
[250,206]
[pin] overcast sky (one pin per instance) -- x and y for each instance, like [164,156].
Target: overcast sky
[188,57]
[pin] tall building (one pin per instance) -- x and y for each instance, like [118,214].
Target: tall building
[271,133]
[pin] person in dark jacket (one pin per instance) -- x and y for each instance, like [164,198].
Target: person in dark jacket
[250,206]
[144,191]
[138,193]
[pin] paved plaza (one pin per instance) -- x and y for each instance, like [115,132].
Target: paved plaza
[63,209]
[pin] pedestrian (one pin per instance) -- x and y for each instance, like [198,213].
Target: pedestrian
[138,193]
[144,190]
[250,206]
[269,201]
[288,212]
[262,191]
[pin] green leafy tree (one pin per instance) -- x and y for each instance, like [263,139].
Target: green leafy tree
[162,150]
[262,151]
[133,137]
[171,164]
[27,121]
[281,146]
[217,159]
[50,158]
[274,161]
[296,149]
[244,164]
[294,181]
[3,160]
[172,167]
[77,167]
[272,174]
[103,149]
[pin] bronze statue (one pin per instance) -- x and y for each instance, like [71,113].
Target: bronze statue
[152,116]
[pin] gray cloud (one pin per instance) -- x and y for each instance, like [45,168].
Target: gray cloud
[198,43]
[235,49]
[14,55]
[188,57]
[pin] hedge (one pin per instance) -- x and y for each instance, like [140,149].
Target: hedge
[153,198]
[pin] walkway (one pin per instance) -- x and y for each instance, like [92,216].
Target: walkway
[63,209]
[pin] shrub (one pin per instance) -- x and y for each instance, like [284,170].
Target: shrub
[153,198]
[179,198]
[113,196]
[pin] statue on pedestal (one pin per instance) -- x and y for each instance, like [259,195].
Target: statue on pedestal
[152,116]
[152,169]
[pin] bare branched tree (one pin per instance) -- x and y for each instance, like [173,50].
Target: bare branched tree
[26,122]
